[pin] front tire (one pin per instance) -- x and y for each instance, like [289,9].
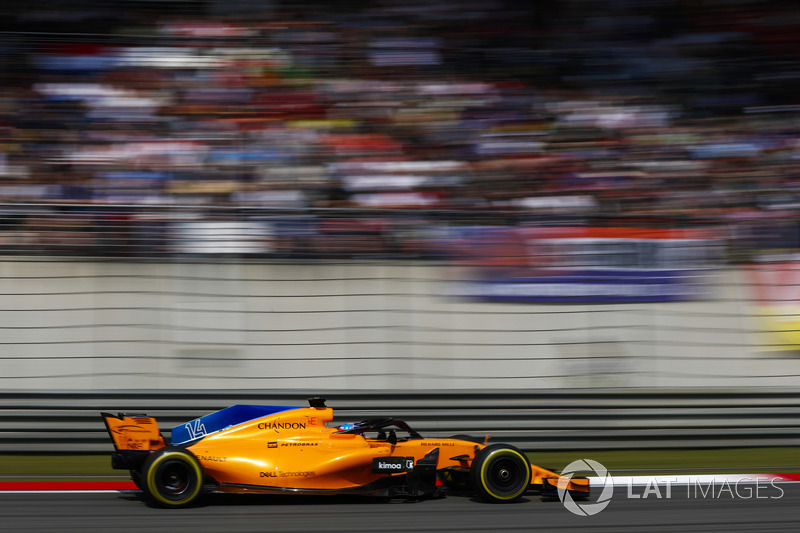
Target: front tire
[500,473]
[172,477]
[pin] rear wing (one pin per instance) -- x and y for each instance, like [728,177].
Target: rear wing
[133,432]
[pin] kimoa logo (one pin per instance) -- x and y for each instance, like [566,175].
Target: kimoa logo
[393,466]
[586,508]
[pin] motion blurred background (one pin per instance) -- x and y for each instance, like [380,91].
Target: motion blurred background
[583,209]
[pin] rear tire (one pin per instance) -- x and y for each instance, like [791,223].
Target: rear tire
[500,473]
[172,477]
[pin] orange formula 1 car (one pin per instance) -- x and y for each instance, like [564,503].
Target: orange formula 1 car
[276,449]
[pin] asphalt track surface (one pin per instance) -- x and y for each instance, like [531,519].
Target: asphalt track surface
[121,512]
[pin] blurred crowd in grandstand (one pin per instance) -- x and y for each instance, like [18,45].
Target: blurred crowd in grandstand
[664,109]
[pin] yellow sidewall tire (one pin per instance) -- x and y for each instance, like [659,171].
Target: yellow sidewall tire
[501,473]
[186,470]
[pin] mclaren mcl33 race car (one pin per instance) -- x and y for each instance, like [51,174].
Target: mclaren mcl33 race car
[280,450]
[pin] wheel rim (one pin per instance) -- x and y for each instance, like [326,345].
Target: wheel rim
[505,475]
[174,479]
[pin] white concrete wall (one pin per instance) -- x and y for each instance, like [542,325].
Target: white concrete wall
[313,326]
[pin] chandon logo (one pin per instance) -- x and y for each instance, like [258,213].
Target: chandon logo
[281,425]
